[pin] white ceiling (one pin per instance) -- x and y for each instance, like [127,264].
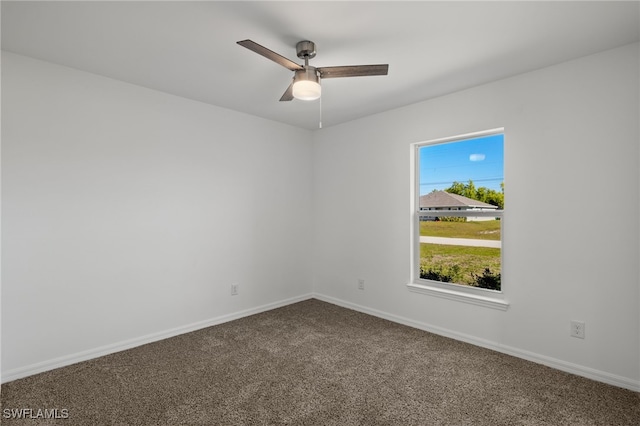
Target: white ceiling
[433,48]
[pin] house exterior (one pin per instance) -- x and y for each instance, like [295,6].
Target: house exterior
[444,201]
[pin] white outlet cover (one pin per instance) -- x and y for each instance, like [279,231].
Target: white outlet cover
[577,329]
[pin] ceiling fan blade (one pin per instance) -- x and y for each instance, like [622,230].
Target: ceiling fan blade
[288,94]
[353,71]
[269,54]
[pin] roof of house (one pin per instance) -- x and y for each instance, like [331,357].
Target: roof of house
[441,199]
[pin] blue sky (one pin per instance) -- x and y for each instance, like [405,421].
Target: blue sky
[479,159]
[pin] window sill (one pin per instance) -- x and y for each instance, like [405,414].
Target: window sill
[474,299]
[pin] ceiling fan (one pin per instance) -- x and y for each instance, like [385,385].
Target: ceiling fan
[306,80]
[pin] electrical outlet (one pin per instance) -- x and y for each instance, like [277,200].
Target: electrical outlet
[360,284]
[577,329]
[234,289]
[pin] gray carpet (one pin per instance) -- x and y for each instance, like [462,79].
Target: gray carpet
[313,363]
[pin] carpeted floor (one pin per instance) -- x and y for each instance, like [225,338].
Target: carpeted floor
[313,363]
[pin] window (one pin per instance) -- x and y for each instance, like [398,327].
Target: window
[458,216]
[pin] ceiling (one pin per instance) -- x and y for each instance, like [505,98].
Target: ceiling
[433,48]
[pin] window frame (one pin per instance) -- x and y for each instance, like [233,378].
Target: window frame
[495,299]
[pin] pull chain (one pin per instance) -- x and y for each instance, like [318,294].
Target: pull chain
[320,121]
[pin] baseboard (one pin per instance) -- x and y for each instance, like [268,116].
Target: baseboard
[63,361]
[568,367]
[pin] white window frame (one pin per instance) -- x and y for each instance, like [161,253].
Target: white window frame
[462,293]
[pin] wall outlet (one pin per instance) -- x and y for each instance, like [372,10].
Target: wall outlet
[360,284]
[577,329]
[234,289]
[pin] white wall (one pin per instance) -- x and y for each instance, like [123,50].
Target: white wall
[571,234]
[127,214]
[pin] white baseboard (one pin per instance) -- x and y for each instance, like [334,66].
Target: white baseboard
[568,367]
[40,367]
[579,370]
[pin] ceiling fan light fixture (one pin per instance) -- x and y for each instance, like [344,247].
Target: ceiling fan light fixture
[306,85]
[306,90]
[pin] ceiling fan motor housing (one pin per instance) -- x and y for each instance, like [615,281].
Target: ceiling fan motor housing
[307,74]
[306,49]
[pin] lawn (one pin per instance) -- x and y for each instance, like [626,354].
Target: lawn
[459,261]
[480,230]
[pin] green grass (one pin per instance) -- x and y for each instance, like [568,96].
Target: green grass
[481,230]
[459,261]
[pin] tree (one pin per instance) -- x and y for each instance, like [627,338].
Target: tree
[456,188]
[495,198]
[486,195]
